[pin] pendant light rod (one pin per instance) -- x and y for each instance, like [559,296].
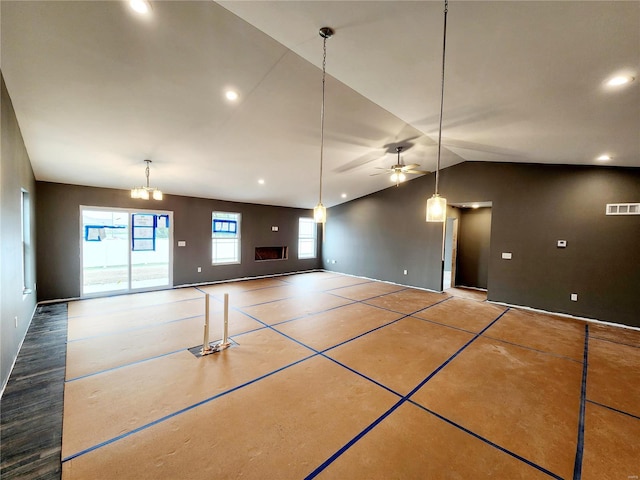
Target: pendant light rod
[147,172]
[320,212]
[444,48]
[325,33]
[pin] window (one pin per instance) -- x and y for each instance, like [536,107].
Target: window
[307,238]
[26,242]
[225,237]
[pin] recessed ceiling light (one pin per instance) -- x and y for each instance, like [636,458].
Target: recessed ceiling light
[140,6]
[604,158]
[261,181]
[231,95]
[344,195]
[619,80]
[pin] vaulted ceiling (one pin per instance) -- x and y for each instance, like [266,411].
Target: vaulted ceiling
[98,88]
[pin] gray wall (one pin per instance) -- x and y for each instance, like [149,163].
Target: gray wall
[533,206]
[58,249]
[15,174]
[474,240]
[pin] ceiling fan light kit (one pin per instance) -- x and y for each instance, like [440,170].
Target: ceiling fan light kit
[143,192]
[437,205]
[399,170]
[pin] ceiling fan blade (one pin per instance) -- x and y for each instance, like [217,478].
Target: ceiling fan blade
[374,174]
[417,172]
[413,166]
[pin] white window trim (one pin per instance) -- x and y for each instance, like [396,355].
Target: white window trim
[237,239]
[313,237]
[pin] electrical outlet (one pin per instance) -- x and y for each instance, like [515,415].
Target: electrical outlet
[199,269]
[574,297]
[506,255]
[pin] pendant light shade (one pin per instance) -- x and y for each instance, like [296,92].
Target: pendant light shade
[143,192]
[436,208]
[320,212]
[437,205]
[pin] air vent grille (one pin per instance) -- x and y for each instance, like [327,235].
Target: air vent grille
[623,208]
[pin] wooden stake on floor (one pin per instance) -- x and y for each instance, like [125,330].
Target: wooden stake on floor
[225,330]
[206,348]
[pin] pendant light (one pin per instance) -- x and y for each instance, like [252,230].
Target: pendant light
[320,212]
[143,192]
[437,205]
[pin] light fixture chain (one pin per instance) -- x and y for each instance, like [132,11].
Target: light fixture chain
[324,68]
[444,47]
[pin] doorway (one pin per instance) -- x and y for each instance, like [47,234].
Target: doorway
[124,250]
[467,246]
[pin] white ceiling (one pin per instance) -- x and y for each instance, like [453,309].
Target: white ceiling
[97,89]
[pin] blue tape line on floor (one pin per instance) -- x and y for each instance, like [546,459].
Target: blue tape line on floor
[133,329]
[487,441]
[613,409]
[404,399]
[182,410]
[602,339]
[577,469]
[124,365]
[139,307]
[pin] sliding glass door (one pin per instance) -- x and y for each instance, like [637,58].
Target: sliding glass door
[125,250]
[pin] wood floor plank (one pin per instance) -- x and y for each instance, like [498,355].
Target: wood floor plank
[31,416]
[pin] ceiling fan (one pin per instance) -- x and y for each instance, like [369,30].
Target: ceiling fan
[399,170]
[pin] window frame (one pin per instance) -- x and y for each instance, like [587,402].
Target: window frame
[25,237]
[305,237]
[226,217]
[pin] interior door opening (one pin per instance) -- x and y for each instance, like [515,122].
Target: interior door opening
[467,246]
[125,250]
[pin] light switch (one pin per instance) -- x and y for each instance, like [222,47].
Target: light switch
[506,255]
[274,228]
[182,243]
[562,243]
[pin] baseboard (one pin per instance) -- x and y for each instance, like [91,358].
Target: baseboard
[15,359]
[566,315]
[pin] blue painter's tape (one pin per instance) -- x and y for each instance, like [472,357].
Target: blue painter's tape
[125,365]
[487,441]
[577,468]
[183,410]
[613,409]
[404,399]
[120,310]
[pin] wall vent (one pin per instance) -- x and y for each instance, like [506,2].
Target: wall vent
[623,208]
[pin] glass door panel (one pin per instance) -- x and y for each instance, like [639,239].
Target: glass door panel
[105,251]
[149,250]
[124,250]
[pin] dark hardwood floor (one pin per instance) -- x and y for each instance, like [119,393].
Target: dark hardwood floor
[31,410]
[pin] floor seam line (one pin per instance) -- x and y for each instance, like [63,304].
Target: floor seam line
[486,440]
[404,399]
[577,468]
[593,402]
[182,410]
